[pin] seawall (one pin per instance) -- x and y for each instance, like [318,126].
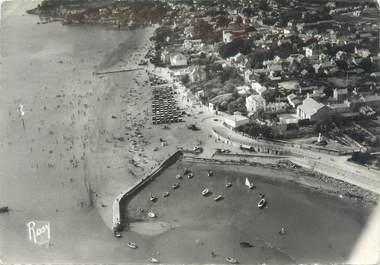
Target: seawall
[117,217]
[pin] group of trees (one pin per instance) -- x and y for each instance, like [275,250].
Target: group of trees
[238,45]
[257,130]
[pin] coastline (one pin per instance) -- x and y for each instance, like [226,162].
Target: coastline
[296,175]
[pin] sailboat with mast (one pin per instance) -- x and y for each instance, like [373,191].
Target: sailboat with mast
[249,184]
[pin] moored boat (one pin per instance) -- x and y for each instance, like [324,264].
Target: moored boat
[228,184]
[4,209]
[179,176]
[261,203]
[210,173]
[190,176]
[132,245]
[282,231]
[249,184]
[205,192]
[166,194]
[175,186]
[218,198]
[244,244]
[231,260]
[152,215]
[153,198]
[117,234]
[153,260]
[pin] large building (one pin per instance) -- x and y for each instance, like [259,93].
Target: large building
[235,121]
[312,110]
[253,103]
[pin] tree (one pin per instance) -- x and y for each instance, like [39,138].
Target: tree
[185,79]
[367,65]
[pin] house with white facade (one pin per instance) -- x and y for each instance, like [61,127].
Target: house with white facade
[253,103]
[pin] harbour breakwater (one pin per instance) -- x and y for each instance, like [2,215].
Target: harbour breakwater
[118,219]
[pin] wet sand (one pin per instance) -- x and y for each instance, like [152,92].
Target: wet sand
[321,227]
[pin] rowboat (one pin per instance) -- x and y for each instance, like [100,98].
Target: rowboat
[231,260]
[166,194]
[179,176]
[153,198]
[132,245]
[175,186]
[4,209]
[218,198]
[244,244]
[228,184]
[152,215]
[153,260]
[282,231]
[210,173]
[205,192]
[190,176]
[261,203]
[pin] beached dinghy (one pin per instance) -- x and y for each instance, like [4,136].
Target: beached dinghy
[175,186]
[205,192]
[166,194]
[228,184]
[261,203]
[231,260]
[190,176]
[210,173]
[179,176]
[249,184]
[132,245]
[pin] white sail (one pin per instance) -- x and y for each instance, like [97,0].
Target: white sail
[247,183]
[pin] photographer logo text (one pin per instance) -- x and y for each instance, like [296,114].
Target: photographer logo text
[38,232]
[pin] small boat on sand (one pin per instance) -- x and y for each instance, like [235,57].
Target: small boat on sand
[165,194]
[210,173]
[190,176]
[152,215]
[117,234]
[179,176]
[261,203]
[153,260]
[205,192]
[249,184]
[228,184]
[175,186]
[231,260]
[218,198]
[132,245]
[4,209]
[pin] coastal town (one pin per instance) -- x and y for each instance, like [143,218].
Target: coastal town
[272,69]
[205,131]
